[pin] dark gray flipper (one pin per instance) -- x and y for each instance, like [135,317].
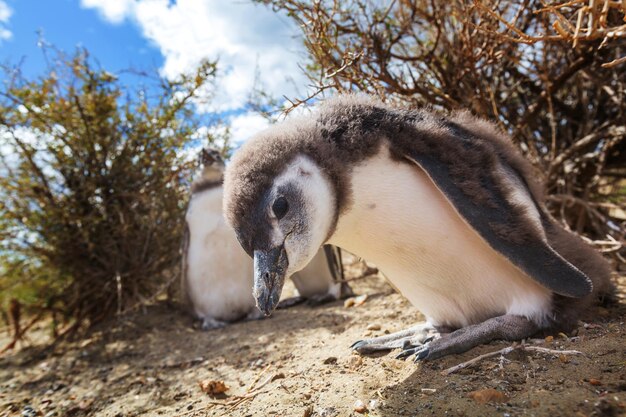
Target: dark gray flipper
[530,253]
[507,327]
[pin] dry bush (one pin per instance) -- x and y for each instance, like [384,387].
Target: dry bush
[93,187]
[560,96]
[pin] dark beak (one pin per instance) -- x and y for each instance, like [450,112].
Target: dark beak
[270,268]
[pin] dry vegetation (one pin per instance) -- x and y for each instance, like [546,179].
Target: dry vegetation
[550,74]
[93,187]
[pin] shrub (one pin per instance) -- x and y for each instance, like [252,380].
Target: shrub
[93,185]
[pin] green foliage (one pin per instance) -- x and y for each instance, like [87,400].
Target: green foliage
[93,186]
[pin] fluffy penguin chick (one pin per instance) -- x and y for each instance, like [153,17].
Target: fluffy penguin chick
[443,205]
[218,275]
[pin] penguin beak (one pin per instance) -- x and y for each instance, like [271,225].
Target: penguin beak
[270,268]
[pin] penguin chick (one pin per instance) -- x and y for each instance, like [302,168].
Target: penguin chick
[443,205]
[217,274]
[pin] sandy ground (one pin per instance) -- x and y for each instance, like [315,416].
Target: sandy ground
[298,363]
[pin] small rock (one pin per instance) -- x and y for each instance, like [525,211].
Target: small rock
[330,361]
[360,300]
[549,339]
[213,388]
[327,412]
[349,302]
[428,390]
[488,395]
[373,326]
[354,362]
[29,411]
[360,407]
[594,381]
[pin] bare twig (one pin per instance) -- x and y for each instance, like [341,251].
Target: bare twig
[506,351]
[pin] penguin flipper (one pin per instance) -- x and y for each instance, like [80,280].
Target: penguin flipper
[504,219]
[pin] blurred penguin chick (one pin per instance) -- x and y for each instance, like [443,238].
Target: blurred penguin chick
[217,274]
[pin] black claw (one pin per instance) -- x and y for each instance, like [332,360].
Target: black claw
[402,355]
[421,355]
[430,339]
[356,345]
[406,353]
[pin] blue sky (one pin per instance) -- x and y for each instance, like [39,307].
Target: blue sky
[170,37]
[67,25]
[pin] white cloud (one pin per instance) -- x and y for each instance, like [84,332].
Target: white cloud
[5,15]
[244,126]
[5,12]
[244,36]
[115,11]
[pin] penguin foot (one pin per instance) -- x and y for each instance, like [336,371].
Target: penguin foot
[420,352]
[312,301]
[317,300]
[405,339]
[255,314]
[290,302]
[507,327]
[211,324]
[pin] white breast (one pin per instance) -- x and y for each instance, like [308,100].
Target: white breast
[400,221]
[219,274]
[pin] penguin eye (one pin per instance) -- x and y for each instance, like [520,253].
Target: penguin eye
[280,207]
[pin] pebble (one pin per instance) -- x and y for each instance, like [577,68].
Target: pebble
[373,326]
[360,407]
[354,362]
[488,395]
[327,412]
[29,411]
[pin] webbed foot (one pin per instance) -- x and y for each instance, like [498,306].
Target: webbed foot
[211,324]
[414,336]
[507,327]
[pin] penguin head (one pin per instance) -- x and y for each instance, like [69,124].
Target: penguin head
[211,162]
[289,222]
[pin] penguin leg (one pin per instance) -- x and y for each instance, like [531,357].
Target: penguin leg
[507,327]
[409,338]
